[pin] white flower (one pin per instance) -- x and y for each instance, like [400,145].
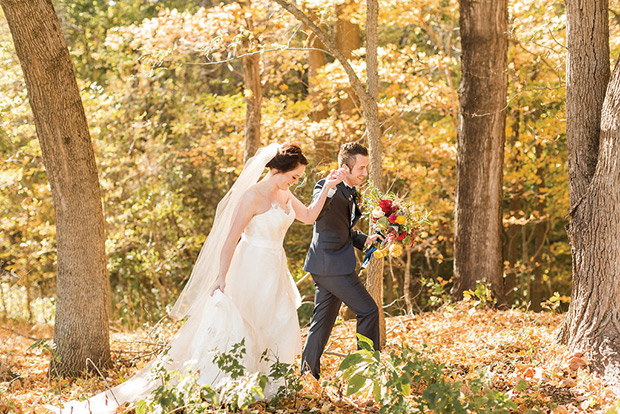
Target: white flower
[377,213]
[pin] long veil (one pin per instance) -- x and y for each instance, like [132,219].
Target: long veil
[205,270]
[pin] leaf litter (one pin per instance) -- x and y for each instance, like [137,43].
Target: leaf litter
[516,350]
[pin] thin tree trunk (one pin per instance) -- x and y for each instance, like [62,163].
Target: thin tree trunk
[373,130]
[83,296]
[480,152]
[348,39]
[253,86]
[407,283]
[540,236]
[368,99]
[389,287]
[316,60]
[512,250]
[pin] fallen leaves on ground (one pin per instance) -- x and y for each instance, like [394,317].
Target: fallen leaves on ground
[515,349]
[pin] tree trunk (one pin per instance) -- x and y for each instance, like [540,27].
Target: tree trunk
[368,99]
[323,147]
[540,237]
[83,295]
[593,320]
[407,283]
[348,39]
[373,131]
[389,288]
[480,135]
[592,323]
[514,230]
[587,76]
[253,86]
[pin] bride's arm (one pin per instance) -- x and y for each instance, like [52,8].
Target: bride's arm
[308,215]
[244,213]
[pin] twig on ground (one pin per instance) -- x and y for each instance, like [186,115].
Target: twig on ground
[340,354]
[24,335]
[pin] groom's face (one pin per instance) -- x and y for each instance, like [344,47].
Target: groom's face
[358,171]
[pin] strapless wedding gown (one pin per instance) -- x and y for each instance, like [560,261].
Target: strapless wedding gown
[259,303]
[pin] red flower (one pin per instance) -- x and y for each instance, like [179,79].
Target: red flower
[393,218]
[402,235]
[387,206]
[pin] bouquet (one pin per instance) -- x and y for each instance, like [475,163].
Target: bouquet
[395,219]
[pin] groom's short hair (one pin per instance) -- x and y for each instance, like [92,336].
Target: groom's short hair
[348,152]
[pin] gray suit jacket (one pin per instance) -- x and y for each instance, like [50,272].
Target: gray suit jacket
[333,237]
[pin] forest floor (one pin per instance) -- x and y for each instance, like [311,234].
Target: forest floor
[515,348]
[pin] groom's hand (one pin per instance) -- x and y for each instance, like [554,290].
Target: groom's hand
[371,239]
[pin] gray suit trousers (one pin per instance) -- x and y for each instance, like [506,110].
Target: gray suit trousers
[331,291]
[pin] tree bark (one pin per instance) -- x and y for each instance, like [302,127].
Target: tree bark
[593,320]
[592,323]
[253,86]
[407,283]
[370,108]
[348,39]
[587,76]
[323,147]
[514,230]
[83,297]
[540,237]
[480,136]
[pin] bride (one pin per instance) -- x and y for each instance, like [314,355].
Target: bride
[240,287]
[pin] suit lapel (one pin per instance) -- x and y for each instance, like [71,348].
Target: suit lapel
[346,192]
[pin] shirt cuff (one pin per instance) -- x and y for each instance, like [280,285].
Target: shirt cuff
[331,192]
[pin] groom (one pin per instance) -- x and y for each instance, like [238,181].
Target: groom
[331,260]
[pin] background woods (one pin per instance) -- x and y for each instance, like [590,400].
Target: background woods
[176,93]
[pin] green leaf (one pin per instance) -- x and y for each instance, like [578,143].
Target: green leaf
[377,391]
[522,386]
[365,343]
[350,360]
[141,407]
[355,384]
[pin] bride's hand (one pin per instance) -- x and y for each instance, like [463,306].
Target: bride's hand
[220,284]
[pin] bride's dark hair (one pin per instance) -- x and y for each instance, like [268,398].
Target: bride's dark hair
[288,158]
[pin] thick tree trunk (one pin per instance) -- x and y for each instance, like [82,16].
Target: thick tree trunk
[83,296]
[587,75]
[592,323]
[480,135]
[253,88]
[593,320]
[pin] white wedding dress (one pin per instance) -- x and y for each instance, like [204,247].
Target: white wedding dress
[259,303]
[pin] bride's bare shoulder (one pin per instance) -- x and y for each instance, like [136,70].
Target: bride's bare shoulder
[252,195]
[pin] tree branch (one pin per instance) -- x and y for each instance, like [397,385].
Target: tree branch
[357,85]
